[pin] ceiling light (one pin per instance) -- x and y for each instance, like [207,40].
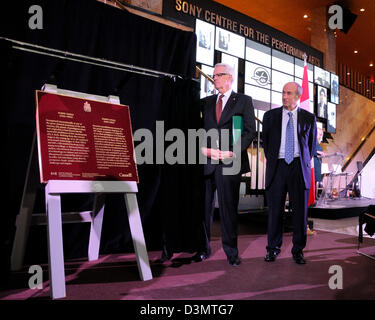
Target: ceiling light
[371,64]
[362,9]
[348,73]
[305,16]
[355,51]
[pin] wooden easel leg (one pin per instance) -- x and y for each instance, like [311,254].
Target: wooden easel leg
[55,246]
[137,236]
[96,227]
[24,217]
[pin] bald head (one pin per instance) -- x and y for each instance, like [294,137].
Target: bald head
[292,91]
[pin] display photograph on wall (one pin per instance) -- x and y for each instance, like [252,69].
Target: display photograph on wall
[205,42]
[334,89]
[321,102]
[331,117]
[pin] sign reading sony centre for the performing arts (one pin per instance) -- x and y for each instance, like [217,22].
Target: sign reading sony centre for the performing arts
[187,11]
[263,58]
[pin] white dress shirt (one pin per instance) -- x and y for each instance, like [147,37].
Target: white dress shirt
[283,132]
[225,98]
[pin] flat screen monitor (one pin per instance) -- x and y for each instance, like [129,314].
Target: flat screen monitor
[335,88]
[233,62]
[229,42]
[258,53]
[207,87]
[322,77]
[261,97]
[257,75]
[321,102]
[282,62]
[331,118]
[205,42]
[279,79]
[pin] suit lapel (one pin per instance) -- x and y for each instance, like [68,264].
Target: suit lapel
[212,106]
[300,121]
[279,122]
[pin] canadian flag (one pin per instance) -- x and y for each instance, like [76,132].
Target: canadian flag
[305,104]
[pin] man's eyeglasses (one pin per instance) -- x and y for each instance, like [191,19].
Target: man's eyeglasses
[219,75]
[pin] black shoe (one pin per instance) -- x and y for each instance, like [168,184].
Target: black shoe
[298,258]
[164,258]
[271,256]
[234,261]
[200,256]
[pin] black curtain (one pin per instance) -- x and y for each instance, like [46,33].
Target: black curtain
[170,197]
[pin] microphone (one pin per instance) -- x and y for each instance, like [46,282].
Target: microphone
[335,154]
[339,154]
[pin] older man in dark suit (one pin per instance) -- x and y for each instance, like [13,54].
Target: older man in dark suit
[289,141]
[218,113]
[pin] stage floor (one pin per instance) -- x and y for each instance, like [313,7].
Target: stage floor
[115,276]
[339,208]
[344,203]
[347,226]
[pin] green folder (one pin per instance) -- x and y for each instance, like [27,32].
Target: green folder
[237,126]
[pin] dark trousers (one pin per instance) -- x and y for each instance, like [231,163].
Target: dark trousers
[287,179]
[228,189]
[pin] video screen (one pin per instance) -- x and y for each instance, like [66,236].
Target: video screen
[256,52]
[279,79]
[205,42]
[331,118]
[229,42]
[321,102]
[299,68]
[257,75]
[322,77]
[233,62]
[207,87]
[276,99]
[311,93]
[282,62]
[335,89]
[261,97]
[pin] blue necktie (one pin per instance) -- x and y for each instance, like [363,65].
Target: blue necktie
[289,140]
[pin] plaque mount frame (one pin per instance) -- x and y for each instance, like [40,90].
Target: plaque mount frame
[54,218]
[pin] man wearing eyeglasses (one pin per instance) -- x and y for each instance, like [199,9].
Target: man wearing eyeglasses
[218,112]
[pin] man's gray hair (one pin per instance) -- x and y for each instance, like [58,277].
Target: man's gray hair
[299,89]
[228,69]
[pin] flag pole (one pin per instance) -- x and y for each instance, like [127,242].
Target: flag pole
[305,103]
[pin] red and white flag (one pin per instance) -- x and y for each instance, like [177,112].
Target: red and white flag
[305,104]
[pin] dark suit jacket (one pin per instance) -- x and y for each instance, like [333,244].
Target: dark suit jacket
[237,104]
[306,131]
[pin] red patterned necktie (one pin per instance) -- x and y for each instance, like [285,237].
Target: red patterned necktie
[219,108]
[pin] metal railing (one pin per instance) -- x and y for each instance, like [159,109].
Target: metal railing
[356,81]
[349,159]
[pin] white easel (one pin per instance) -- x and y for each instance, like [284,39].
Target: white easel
[53,191]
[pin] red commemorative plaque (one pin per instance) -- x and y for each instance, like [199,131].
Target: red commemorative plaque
[82,139]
